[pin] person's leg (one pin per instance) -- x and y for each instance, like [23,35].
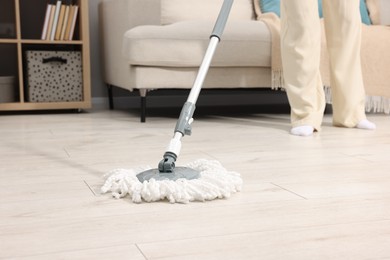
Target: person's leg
[343,36]
[301,49]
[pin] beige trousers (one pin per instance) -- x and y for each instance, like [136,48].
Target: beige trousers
[301,50]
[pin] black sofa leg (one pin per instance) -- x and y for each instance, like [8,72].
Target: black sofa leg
[142,93]
[143,109]
[110,97]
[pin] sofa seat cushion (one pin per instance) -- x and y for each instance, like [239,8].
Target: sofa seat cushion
[183,44]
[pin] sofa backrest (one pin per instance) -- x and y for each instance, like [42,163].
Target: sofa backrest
[173,11]
[385,12]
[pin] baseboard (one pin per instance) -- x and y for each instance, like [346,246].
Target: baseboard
[211,98]
[119,102]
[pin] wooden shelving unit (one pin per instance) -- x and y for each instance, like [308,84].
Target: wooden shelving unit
[21,23]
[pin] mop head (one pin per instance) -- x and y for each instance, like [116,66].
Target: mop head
[215,182]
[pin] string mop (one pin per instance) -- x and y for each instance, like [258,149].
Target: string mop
[215,182]
[201,180]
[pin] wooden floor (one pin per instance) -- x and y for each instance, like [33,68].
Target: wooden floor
[320,197]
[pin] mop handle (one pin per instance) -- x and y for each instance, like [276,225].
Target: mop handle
[215,37]
[183,125]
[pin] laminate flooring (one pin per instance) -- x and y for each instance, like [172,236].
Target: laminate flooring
[320,197]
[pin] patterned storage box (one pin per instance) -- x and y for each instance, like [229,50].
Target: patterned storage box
[54,76]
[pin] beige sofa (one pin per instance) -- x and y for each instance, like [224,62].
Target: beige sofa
[159,44]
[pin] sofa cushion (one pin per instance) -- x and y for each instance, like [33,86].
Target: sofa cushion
[183,44]
[173,11]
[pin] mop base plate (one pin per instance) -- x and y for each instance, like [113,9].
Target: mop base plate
[177,173]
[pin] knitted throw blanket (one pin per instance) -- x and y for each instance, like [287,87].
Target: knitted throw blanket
[375,59]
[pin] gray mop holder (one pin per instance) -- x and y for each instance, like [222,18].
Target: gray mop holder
[183,124]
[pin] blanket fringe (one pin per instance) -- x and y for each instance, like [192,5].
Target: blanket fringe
[277,80]
[374,104]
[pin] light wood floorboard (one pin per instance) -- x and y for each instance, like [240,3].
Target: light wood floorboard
[320,197]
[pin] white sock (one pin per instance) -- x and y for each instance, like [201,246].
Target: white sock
[305,130]
[365,124]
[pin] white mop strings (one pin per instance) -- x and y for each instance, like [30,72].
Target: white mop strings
[215,183]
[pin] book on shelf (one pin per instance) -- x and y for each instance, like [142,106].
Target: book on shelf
[67,4]
[51,19]
[60,20]
[46,30]
[55,20]
[73,19]
[69,22]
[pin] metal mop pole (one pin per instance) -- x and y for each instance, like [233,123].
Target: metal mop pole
[166,166]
